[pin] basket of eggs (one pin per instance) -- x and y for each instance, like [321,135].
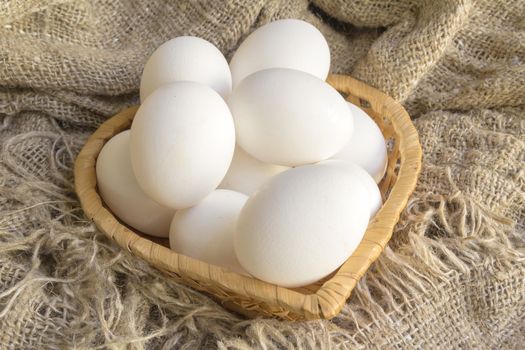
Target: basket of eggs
[265,182]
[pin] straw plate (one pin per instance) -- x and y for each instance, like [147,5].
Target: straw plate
[250,296]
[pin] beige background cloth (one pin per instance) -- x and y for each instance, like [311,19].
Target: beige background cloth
[453,275]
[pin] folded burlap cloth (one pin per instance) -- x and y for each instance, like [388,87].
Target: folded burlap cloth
[453,275]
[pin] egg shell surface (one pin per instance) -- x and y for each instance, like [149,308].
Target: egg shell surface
[287,43]
[186,58]
[366,147]
[302,224]
[121,193]
[182,142]
[374,194]
[246,174]
[205,231]
[288,117]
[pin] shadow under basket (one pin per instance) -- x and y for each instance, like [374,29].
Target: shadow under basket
[250,296]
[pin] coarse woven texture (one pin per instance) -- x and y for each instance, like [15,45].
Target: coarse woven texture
[453,276]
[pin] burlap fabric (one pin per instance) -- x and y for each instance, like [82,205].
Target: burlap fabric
[453,276]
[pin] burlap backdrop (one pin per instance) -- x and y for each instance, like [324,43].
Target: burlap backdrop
[452,277]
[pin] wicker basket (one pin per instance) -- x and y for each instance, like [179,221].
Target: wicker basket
[251,296]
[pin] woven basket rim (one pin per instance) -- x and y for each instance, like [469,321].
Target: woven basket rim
[329,299]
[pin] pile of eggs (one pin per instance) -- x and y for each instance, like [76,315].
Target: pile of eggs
[258,166]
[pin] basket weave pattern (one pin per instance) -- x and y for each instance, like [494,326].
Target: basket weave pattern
[248,295]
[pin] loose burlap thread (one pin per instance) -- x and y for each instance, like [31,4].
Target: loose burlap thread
[453,275]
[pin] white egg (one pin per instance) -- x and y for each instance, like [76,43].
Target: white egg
[122,194]
[205,231]
[186,58]
[288,117]
[367,147]
[374,195]
[246,174]
[288,43]
[302,224]
[182,142]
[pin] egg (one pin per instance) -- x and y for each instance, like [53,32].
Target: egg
[122,194]
[374,195]
[288,43]
[246,174]
[182,141]
[366,147]
[288,117]
[186,58]
[302,224]
[205,231]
